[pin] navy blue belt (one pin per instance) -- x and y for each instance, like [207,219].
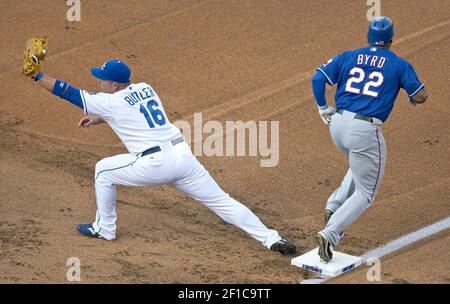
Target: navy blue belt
[357,116]
[158,148]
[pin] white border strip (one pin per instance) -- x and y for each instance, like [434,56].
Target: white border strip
[397,244]
[84,102]
[415,92]
[323,72]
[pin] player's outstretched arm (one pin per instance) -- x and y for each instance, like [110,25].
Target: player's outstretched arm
[60,88]
[47,82]
[34,54]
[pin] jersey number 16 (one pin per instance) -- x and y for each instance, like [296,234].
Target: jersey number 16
[358,77]
[155,116]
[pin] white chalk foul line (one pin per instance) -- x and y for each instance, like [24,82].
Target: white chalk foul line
[397,244]
[407,239]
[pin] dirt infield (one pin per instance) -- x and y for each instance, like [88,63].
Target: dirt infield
[231,60]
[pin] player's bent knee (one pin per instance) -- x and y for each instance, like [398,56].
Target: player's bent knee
[100,166]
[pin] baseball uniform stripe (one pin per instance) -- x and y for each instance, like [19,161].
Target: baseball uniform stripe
[379,166]
[328,78]
[415,92]
[117,168]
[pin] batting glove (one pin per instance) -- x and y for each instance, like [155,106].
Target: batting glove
[326,112]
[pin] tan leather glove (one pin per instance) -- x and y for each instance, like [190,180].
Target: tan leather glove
[35,51]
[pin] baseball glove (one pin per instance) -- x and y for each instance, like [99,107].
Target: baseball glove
[35,51]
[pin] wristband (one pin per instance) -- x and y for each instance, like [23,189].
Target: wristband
[39,76]
[60,88]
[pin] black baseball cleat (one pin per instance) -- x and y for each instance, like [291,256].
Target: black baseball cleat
[328,214]
[325,251]
[284,247]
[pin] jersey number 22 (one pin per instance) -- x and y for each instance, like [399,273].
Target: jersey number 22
[358,77]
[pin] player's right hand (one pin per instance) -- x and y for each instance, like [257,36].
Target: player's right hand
[325,113]
[86,121]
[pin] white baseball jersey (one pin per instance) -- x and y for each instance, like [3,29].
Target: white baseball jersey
[135,114]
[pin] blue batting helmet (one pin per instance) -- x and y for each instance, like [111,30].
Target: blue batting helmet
[381,31]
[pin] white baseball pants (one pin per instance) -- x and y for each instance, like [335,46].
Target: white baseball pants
[177,167]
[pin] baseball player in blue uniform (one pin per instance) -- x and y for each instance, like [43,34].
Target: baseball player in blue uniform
[368,81]
[158,154]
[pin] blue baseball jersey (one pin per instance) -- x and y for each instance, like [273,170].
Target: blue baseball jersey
[369,79]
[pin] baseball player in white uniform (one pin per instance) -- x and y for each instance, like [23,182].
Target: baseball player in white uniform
[158,154]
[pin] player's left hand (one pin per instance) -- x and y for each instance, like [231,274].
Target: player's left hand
[411,102]
[90,120]
[35,51]
[326,112]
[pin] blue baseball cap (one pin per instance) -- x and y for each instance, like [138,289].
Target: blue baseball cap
[114,70]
